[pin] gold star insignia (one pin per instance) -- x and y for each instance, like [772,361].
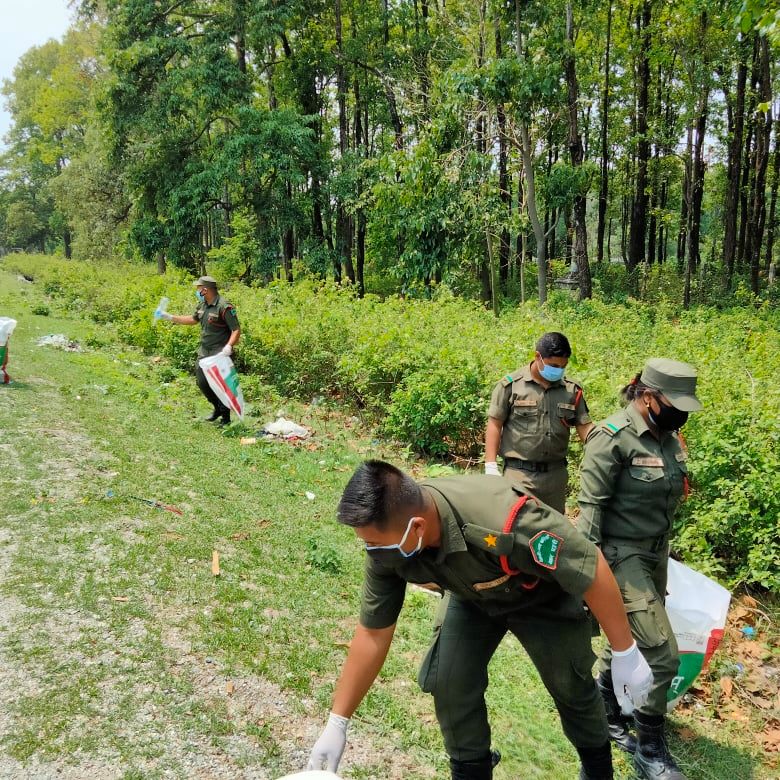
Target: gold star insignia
[491,540]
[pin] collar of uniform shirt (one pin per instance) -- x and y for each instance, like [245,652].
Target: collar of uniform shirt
[641,425]
[451,536]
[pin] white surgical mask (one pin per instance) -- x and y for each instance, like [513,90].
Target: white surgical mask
[399,546]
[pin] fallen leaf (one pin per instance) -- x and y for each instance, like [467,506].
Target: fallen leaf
[771,739]
[686,734]
[749,602]
[727,686]
[248,440]
[229,688]
[215,563]
[120,598]
[240,536]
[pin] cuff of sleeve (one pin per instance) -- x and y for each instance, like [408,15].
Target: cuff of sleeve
[339,721]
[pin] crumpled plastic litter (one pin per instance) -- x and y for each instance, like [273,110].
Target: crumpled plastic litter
[286,429]
[60,341]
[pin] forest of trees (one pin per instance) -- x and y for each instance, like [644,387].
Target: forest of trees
[395,144]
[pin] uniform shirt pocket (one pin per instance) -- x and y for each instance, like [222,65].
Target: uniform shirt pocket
[646,473]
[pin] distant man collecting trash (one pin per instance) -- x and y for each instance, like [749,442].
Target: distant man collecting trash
[510,563]
[219,333]
[531,414]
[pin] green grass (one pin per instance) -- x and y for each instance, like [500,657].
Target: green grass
[139,684]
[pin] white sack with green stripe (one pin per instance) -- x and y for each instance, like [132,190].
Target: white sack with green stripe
[223,380]
[697,608]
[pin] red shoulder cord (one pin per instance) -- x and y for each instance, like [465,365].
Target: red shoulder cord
[510,521]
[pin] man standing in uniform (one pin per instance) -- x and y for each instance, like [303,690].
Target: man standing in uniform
[219,333]
[531,414]
[510,563]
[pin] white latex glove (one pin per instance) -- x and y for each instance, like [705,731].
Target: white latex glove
[162,315]
[632,678]
[227,350]
[491,468]
[328,749]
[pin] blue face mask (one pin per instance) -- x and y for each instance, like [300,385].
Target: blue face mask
[375,547]
[551,373]
[199,295]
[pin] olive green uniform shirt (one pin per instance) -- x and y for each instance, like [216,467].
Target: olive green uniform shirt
[555,563]
[536,420]
[217,321]
[631,481]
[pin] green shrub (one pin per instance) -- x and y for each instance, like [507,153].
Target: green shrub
[423,371]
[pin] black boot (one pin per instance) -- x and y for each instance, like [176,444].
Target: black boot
[224,418]
[596,763]
[652,759]
[617,722]
[215,415]
[472,770]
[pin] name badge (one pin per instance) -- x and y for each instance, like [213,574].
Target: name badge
[647,461]
[525,402]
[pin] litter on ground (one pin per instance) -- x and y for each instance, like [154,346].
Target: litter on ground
[285,429]
[60,341]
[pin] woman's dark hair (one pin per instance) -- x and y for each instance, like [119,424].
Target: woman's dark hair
[635,388]
[378,494]
[553,344]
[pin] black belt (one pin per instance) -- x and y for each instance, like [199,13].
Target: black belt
[652,544]
[531,465]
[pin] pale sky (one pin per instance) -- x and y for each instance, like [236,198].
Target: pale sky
[23,24]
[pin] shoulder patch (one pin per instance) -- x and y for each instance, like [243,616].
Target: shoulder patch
[545,549]
[507,380]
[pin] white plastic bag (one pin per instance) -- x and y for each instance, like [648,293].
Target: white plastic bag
[697,608]
[223,380]
[162,308]
[7,326]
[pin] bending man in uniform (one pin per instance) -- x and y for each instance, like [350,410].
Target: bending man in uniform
[531,414]
[633,477]
[510,563]
[219,333]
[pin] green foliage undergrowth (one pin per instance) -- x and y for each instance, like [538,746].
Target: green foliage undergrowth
[423,372]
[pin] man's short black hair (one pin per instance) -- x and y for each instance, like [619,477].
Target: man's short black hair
[553,344]
[378,494]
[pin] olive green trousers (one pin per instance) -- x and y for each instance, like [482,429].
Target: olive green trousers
[455,672]
[548,486]
[641,575]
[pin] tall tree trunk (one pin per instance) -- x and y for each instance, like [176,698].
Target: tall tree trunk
[604,168]
[685,201]
[361,145]
[526,153]
[697,187]
[579,206]
[503,180]
[748,159]
[735,110]
[636,243]
[772,220]
[763,131]
[161,262]
[343,222]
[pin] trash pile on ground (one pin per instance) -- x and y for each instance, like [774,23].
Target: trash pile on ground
[59,341]
[281,429]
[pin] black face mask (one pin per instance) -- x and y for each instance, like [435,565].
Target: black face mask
[668,418]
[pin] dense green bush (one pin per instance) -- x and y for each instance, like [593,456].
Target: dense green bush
[423,370]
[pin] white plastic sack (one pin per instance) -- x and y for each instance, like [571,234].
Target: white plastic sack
[286,429]
[697,608]
[7,326]
[223,380]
